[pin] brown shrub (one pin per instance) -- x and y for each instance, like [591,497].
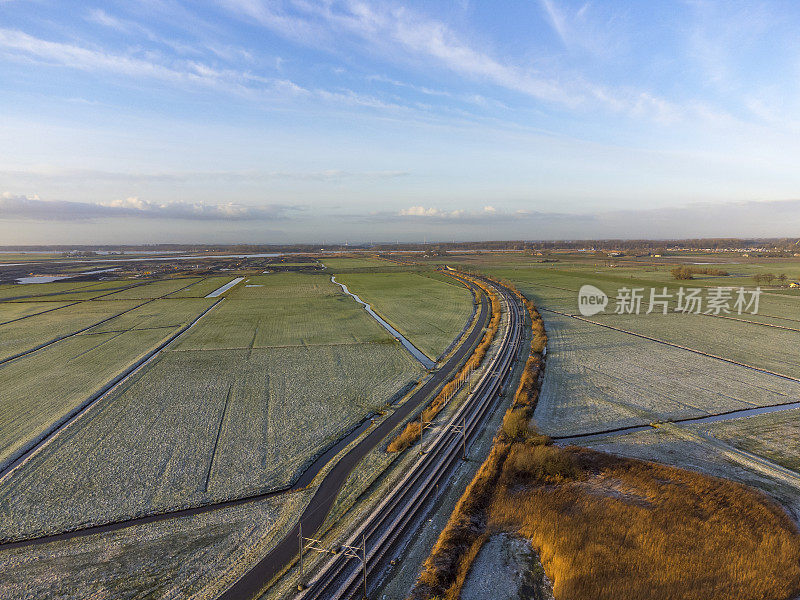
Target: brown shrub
[528,463]
[408,437]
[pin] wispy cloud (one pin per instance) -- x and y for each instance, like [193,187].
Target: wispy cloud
[398,32]
[33,208]
[556,20]
[83,175]
[436,215]
[744,219]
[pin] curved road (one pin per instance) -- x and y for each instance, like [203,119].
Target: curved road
[254,581]
[403,507]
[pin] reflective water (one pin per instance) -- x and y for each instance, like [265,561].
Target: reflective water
[221,290]
[426,362]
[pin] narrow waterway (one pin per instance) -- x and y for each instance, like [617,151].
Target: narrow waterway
[415,352]
[741,413]
[224,288]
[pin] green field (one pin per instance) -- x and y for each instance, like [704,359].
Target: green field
[201,288]
[10,311]
[19,336]
[429,312]
[155,289]
[40,388]
[238,405]
[773,436]
[336,265]
[48,291]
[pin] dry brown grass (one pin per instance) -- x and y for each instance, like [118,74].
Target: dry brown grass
[408,437]
[614,528]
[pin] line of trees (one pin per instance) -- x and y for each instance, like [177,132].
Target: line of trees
[768,278]
[684,272]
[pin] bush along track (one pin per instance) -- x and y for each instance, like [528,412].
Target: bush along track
[607,527]
[413,429]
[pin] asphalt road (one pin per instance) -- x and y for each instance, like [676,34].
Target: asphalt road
[403,508]
[254,581]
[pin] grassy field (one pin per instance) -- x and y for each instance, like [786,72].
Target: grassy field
[10,311]
[155,289]
[305,321]
[604,379]
[38,389]
[240,405]
[188,557]
[430,312]
[23,335]
[284,285]
[773,436]
[55,289]
[201,288]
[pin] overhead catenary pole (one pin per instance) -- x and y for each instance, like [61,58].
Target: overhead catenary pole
[364,561]
[463,439]
[300,584]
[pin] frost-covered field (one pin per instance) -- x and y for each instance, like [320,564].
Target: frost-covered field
[774,436]
[598,379]
[270,322]
[189,557]
[198,427]
[38,389]
[26,334]
[238,406]
[429,312]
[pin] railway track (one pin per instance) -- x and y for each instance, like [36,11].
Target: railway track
[342,576]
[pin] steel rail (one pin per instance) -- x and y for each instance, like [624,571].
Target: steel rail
[340,577]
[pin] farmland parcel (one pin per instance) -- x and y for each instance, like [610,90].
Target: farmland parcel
[239,405]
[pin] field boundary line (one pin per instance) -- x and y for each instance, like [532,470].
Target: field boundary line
[306,478]
[23,455]
[688,349]
[40,313]
[736,413]
[74,333]
[153,517]
[216,440]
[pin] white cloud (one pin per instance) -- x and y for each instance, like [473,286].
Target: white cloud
[33,208]
[436,213]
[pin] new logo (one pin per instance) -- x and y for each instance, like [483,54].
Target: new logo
[591,300]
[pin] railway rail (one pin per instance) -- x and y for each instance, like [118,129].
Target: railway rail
[342,577]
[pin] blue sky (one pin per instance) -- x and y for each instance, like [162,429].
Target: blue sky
[302,120]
